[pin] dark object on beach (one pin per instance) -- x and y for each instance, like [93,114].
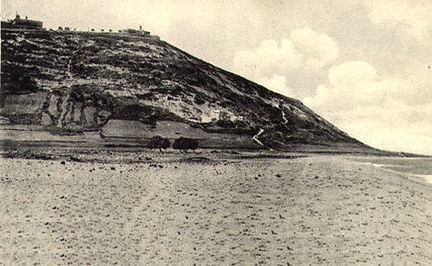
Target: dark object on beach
[158,142]
[198,159]
[185,144]
[75,159]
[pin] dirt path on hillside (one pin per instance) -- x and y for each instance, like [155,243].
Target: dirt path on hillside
[256,137]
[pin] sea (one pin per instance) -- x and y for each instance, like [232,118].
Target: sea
[412,166]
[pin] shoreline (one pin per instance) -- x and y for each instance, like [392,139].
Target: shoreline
[410,175]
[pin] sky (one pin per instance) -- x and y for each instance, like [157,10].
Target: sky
[364,65]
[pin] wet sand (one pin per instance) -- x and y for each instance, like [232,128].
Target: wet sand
[305,211]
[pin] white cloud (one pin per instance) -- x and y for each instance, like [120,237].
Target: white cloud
[318,49]
[373,108]
[305,50]
[409,17]
[351,73]
[276,83]
[351,84]
[269,58]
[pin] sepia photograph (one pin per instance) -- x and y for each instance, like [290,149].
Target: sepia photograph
[216,132]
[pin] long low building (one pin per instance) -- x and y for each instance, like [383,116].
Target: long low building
[25,23]
[135,32]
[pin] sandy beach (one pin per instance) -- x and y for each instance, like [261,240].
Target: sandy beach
[330,210]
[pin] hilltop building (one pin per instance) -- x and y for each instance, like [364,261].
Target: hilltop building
[140,31]
[25,23]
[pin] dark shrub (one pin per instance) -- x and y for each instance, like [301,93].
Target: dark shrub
[9,145]
[185,144]
[158,142]
[199,100]
[225,123]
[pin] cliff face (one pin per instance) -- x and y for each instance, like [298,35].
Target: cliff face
[83,80]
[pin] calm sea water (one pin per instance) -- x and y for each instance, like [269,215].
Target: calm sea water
[418,167]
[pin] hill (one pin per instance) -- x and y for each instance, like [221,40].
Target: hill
[130,86]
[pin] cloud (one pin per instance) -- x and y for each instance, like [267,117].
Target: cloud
[317,49]
[269,58]
[409,17]
[353,83]
[352,73]
[276,83]
[375,108]
[304,50]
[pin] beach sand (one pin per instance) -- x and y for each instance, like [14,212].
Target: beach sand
[306,211]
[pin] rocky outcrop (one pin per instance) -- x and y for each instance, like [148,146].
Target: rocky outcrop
[61,111]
